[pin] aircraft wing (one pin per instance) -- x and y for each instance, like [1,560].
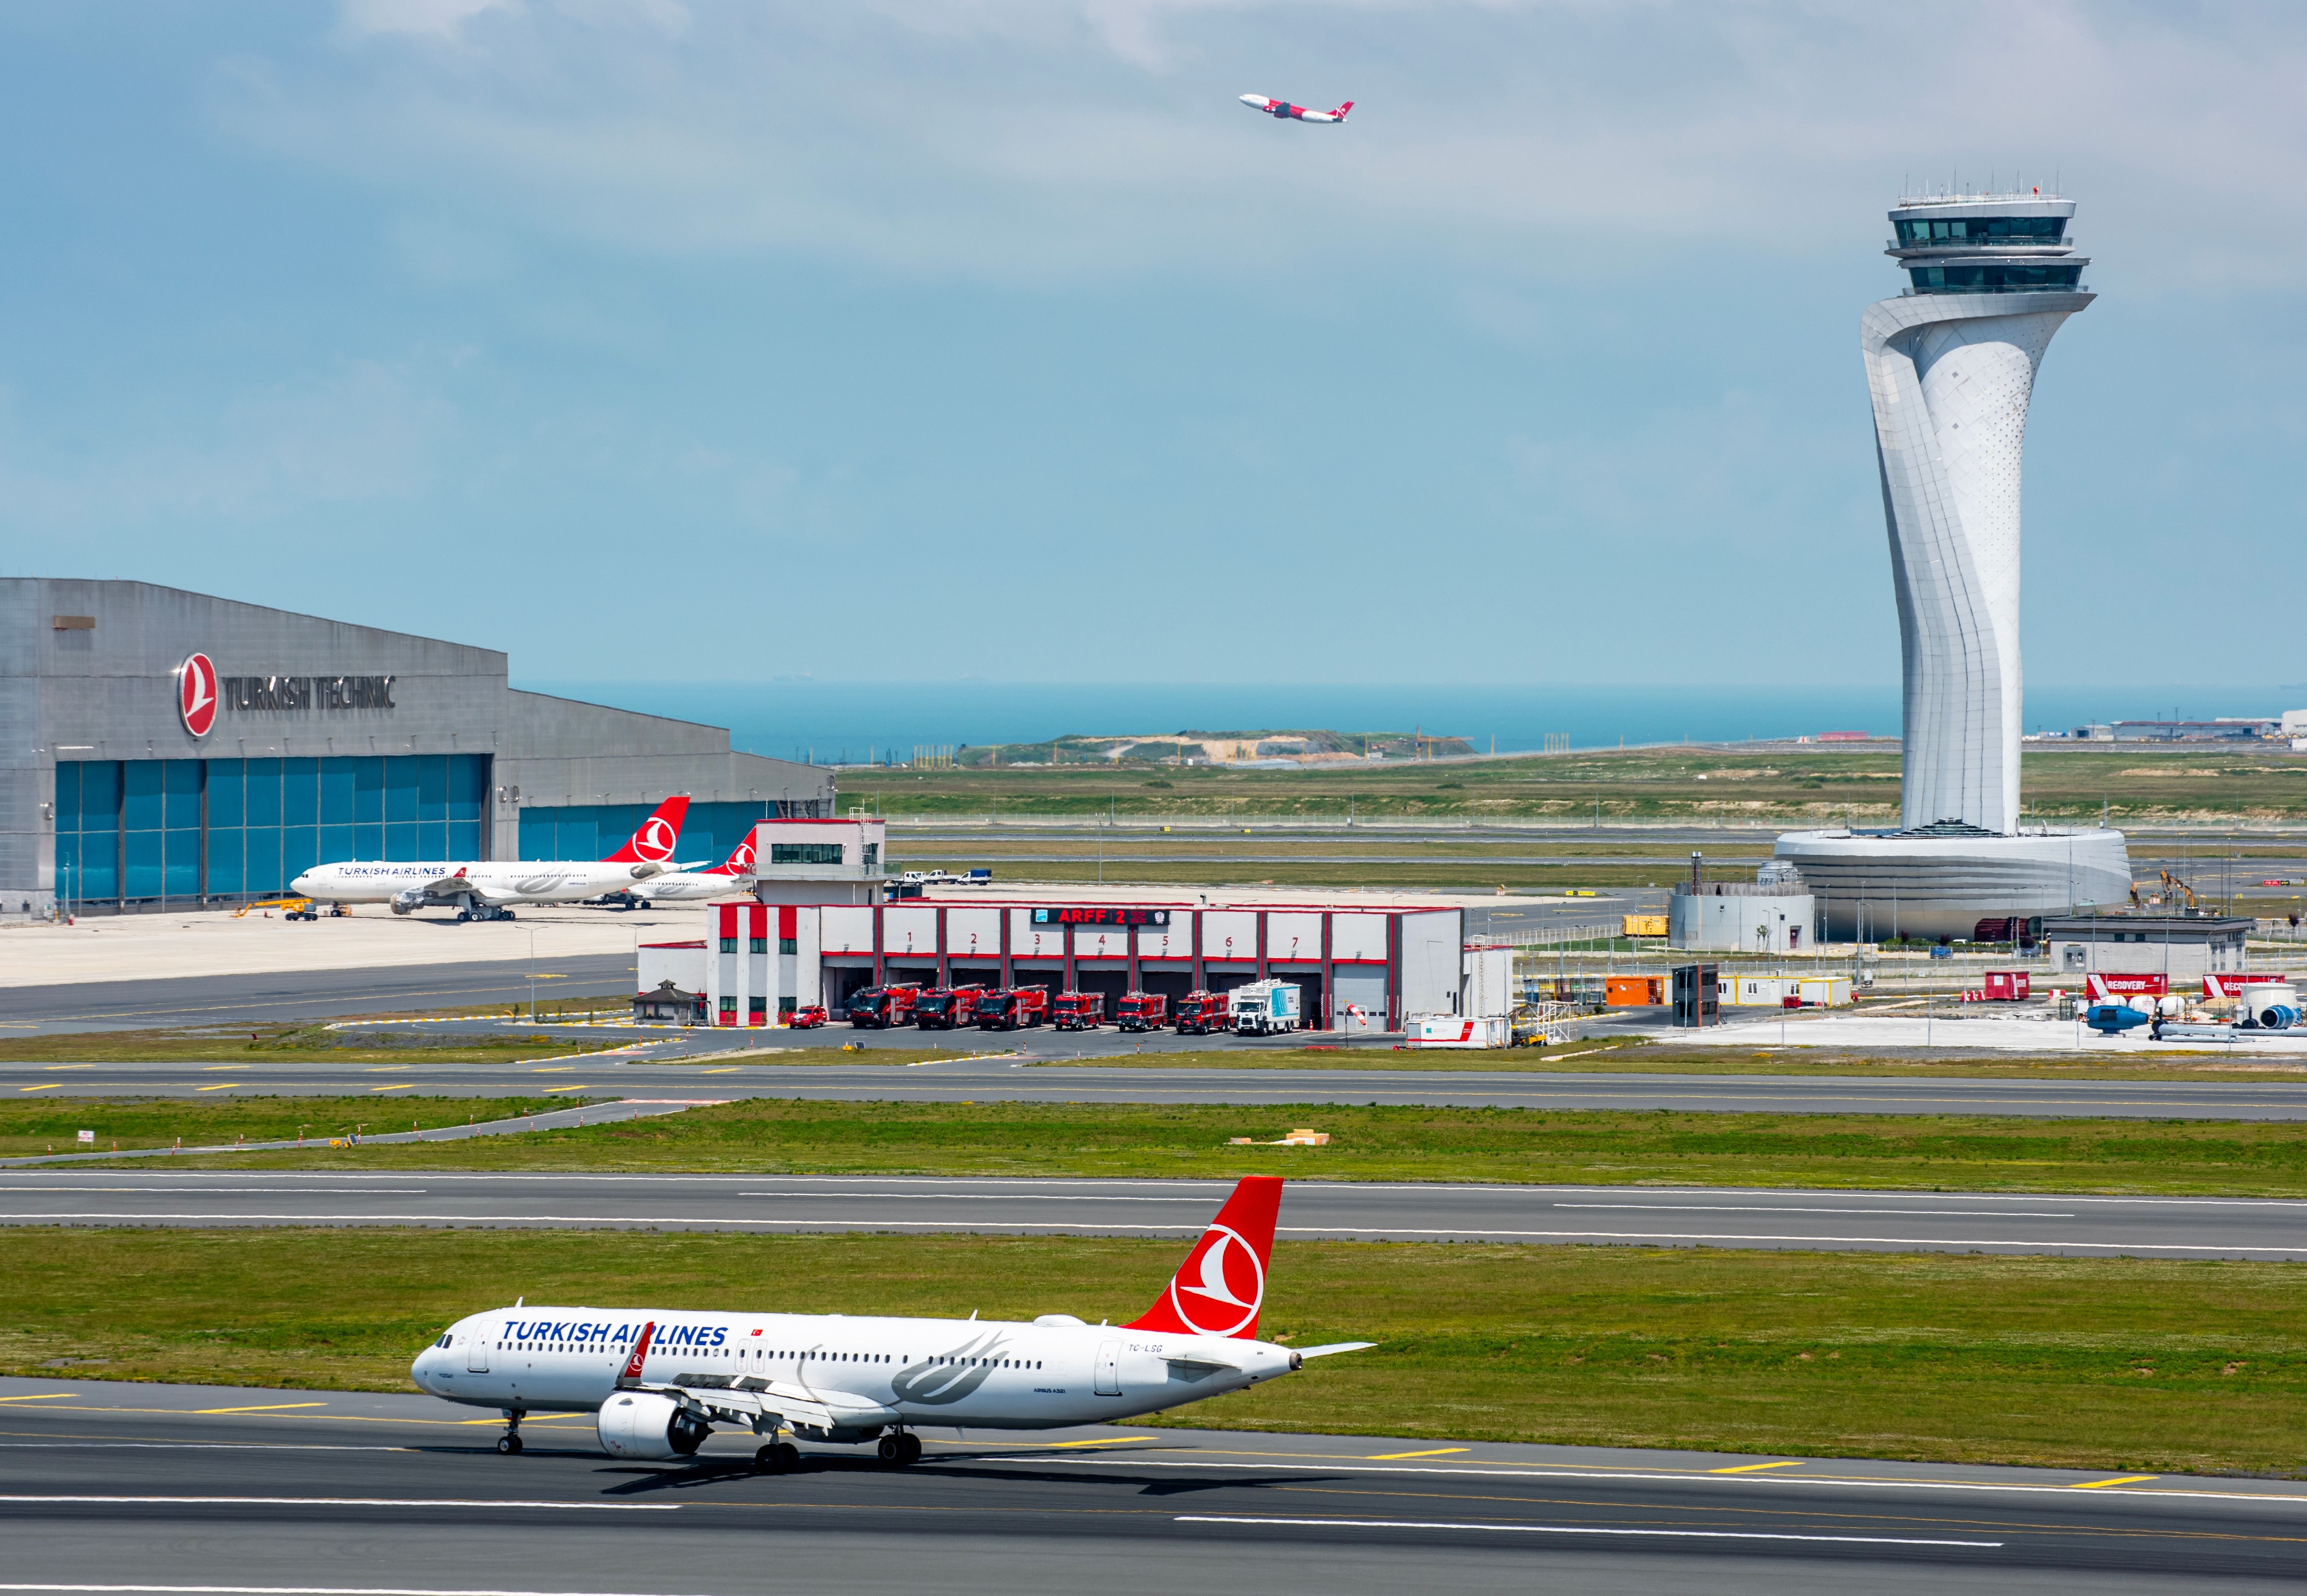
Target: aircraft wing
[442,889]
[796,1405]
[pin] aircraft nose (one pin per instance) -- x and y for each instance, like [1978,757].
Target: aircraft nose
[1254,99]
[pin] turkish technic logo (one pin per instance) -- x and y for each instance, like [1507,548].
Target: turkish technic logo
[1232,1284]
[196,694]
[655,840]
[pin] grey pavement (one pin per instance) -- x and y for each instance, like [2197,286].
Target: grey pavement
[921,1072]
[175,1489]
[2081,1226]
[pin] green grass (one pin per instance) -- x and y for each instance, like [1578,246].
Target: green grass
[280,1044]
[51,1125]
[1923,1152]
[2115,1364]
[1765,783]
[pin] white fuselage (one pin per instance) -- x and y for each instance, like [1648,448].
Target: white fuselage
[693,885]
[979,1373]
[523,882]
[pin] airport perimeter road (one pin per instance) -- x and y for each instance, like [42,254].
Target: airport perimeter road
[985,1080]
[1827,1221]
[264,997]
[161,1489]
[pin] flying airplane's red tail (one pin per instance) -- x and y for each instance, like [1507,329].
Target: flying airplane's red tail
[1340,112]
[740,860]
[654,843]
[1222,1285]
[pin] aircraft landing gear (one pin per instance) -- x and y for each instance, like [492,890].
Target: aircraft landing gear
[782,1457]
[509,1443]
[897,1451]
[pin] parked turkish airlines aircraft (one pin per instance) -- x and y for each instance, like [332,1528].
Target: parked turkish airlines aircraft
[687,886]
[1284,110]
[480,890]
[659,1380]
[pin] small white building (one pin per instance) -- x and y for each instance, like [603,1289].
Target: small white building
[1740,917]
[821,862]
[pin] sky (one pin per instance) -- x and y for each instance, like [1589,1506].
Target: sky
[905,342]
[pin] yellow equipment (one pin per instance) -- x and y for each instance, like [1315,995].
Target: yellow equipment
[1642,925]
[298,908]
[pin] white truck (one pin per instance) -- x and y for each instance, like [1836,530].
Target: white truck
[1265,1008]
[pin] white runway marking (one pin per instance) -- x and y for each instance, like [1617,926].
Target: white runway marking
[1788,1208]
[1381,1523]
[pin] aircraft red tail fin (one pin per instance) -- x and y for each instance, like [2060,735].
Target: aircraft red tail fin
[1220,1287]
[740,862]
[1340,112]
[632,1374]
[654,843]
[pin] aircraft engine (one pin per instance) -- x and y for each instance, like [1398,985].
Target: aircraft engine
[643,1424]
[2278,1017]
[405,902]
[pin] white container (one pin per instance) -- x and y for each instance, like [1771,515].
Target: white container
[1451,1030]
[1263,1007]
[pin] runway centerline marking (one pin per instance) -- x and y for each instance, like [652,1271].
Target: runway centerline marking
[44,1396]
[1386,1524]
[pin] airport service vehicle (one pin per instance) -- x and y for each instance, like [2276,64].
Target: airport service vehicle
[1263,1007]
[1007,1008]
[659,1380]
[733,876]
[806,1019]
[946,1007]
[1078,1012]
[1451,1030]
[977,878]
[1283,110]
[878,1008]
[1142,1011]
[480,889]
[1201,1012]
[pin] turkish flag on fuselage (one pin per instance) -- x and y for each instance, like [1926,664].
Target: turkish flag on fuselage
[1221,1286]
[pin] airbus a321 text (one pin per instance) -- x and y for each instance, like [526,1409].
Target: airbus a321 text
[481,890]
[660,1380]
[1283,110]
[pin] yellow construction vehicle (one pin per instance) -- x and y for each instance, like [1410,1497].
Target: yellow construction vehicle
[2172,886]
[296,908]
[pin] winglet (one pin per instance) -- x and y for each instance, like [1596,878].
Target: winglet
[653,843]
[1220,1287]
[632,1374]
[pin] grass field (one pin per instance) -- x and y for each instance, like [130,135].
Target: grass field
[778,1136]
[51,1125]
[1769,782]
[2114,1364]
[287,1044]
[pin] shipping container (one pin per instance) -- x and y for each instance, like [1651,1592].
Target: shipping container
[1642,925]
[1450,1030]
[1634,992]
[2009,986]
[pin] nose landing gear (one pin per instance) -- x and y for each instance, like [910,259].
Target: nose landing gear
[509,1443]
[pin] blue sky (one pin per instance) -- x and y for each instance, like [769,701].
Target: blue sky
[909,341]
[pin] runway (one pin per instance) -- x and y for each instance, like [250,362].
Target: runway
[922,1076]
[2086,1226]
[267,997]
[166,1488]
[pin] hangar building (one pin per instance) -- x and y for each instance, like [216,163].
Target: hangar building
[164,748]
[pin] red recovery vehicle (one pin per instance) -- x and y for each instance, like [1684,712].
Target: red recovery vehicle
[1078,1011]
[1201,1012]
[946,1007]
[1142,1011]
[1011,1007]
[878,1007]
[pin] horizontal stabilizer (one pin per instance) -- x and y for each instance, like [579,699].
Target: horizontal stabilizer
[1335,1346]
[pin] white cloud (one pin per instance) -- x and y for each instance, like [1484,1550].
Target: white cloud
[424,18]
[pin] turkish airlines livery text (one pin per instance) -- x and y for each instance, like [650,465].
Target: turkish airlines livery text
[480,890]
[660,1380]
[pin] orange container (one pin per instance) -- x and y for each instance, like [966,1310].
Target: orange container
[1634,992]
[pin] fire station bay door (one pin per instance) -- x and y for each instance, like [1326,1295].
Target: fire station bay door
[477,1354]
[1108,1369]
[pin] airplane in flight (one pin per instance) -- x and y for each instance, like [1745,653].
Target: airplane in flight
[1283,110]
[736,875]
[480,889]
[659,1380]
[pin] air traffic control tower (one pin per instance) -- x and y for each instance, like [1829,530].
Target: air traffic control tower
[1950,366]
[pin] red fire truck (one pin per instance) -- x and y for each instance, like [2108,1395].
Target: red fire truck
[878,1007]
[1010,1008]
[1078,1011]
[1142,1011]
[946,1007]
[1201,1012]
